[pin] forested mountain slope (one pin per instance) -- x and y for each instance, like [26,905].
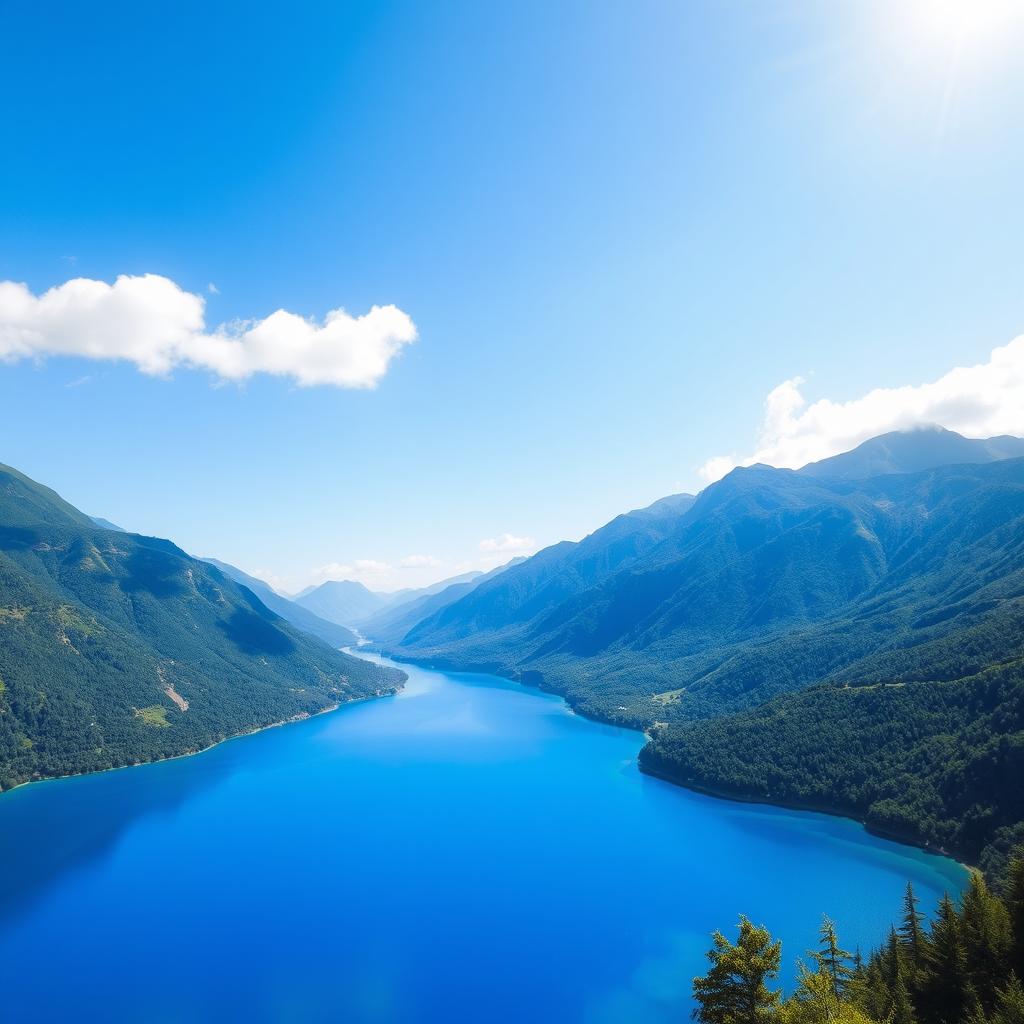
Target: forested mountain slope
[117,648]
[843,642]
[309,622]
[500,612]
[771,581]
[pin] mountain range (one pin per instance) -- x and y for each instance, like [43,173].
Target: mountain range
[848,636]
[877,596]
[350,603]
[117,648]
[309,622]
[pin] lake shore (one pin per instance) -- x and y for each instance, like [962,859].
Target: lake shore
[304,716]
[905,839]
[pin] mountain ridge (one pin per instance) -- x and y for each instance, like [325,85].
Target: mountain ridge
[771,590]
[119,648]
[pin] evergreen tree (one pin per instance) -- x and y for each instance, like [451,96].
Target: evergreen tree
[815,1002]
[1010,1003]
[1015,906]
[735,990]
[947,996]
[988,940]
[900,1009]
[869,988]
[832,961]
[911,929]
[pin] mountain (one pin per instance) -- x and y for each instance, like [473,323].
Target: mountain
[330,632]
[935,760]
[503,610]
[787,633]
[406,594]
[392,622]
[344,602]
[744,594]
[117,648]
[106,524]
[912,451]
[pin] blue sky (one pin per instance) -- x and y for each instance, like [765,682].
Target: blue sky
[617,229]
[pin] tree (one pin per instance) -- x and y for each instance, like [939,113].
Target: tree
[735,990]
[832,961]
[1015,907]
[947,992]
[911,930]
[900,1009]
[988,940]
[1010,1004]
[815,1002]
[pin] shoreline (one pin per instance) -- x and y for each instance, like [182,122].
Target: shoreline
[807,808]
[255,730]
[694,787]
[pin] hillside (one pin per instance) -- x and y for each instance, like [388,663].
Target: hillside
[769,582]
[117,648]
[392,623]
[937,761]
[840,606]
[300,617]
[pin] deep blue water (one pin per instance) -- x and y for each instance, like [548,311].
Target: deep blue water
[466,851]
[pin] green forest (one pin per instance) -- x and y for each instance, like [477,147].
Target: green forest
[117,648]
[815,638]
[963,967]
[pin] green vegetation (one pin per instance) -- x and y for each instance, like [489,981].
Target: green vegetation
[820,638]
[963,968]
[100,631]
[154,715]
[936,762]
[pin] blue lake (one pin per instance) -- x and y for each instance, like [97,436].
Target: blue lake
[466,851]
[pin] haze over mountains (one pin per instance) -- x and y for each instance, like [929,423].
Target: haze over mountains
[898,566]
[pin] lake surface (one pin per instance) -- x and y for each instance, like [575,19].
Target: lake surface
[468,850]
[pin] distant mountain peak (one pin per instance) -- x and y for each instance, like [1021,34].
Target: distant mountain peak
[912,451]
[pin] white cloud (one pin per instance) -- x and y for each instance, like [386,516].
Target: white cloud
[420,562]
[508,544]
[977,401]
[213,289]
[152,322]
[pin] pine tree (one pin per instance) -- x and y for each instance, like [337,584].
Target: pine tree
[988,940]
[832,961]
[735,990]
[900,1009]
[1010,1004]
[947,995]
[911,930]
[1014,893]
[815,1002]
[869,988]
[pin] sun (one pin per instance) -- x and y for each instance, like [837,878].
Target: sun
[962,25]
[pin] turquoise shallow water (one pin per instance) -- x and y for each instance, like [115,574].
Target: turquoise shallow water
[466,851]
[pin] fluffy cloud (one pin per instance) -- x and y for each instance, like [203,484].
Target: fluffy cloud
[508,544]
[152,322]
[978,401]
[420,562]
